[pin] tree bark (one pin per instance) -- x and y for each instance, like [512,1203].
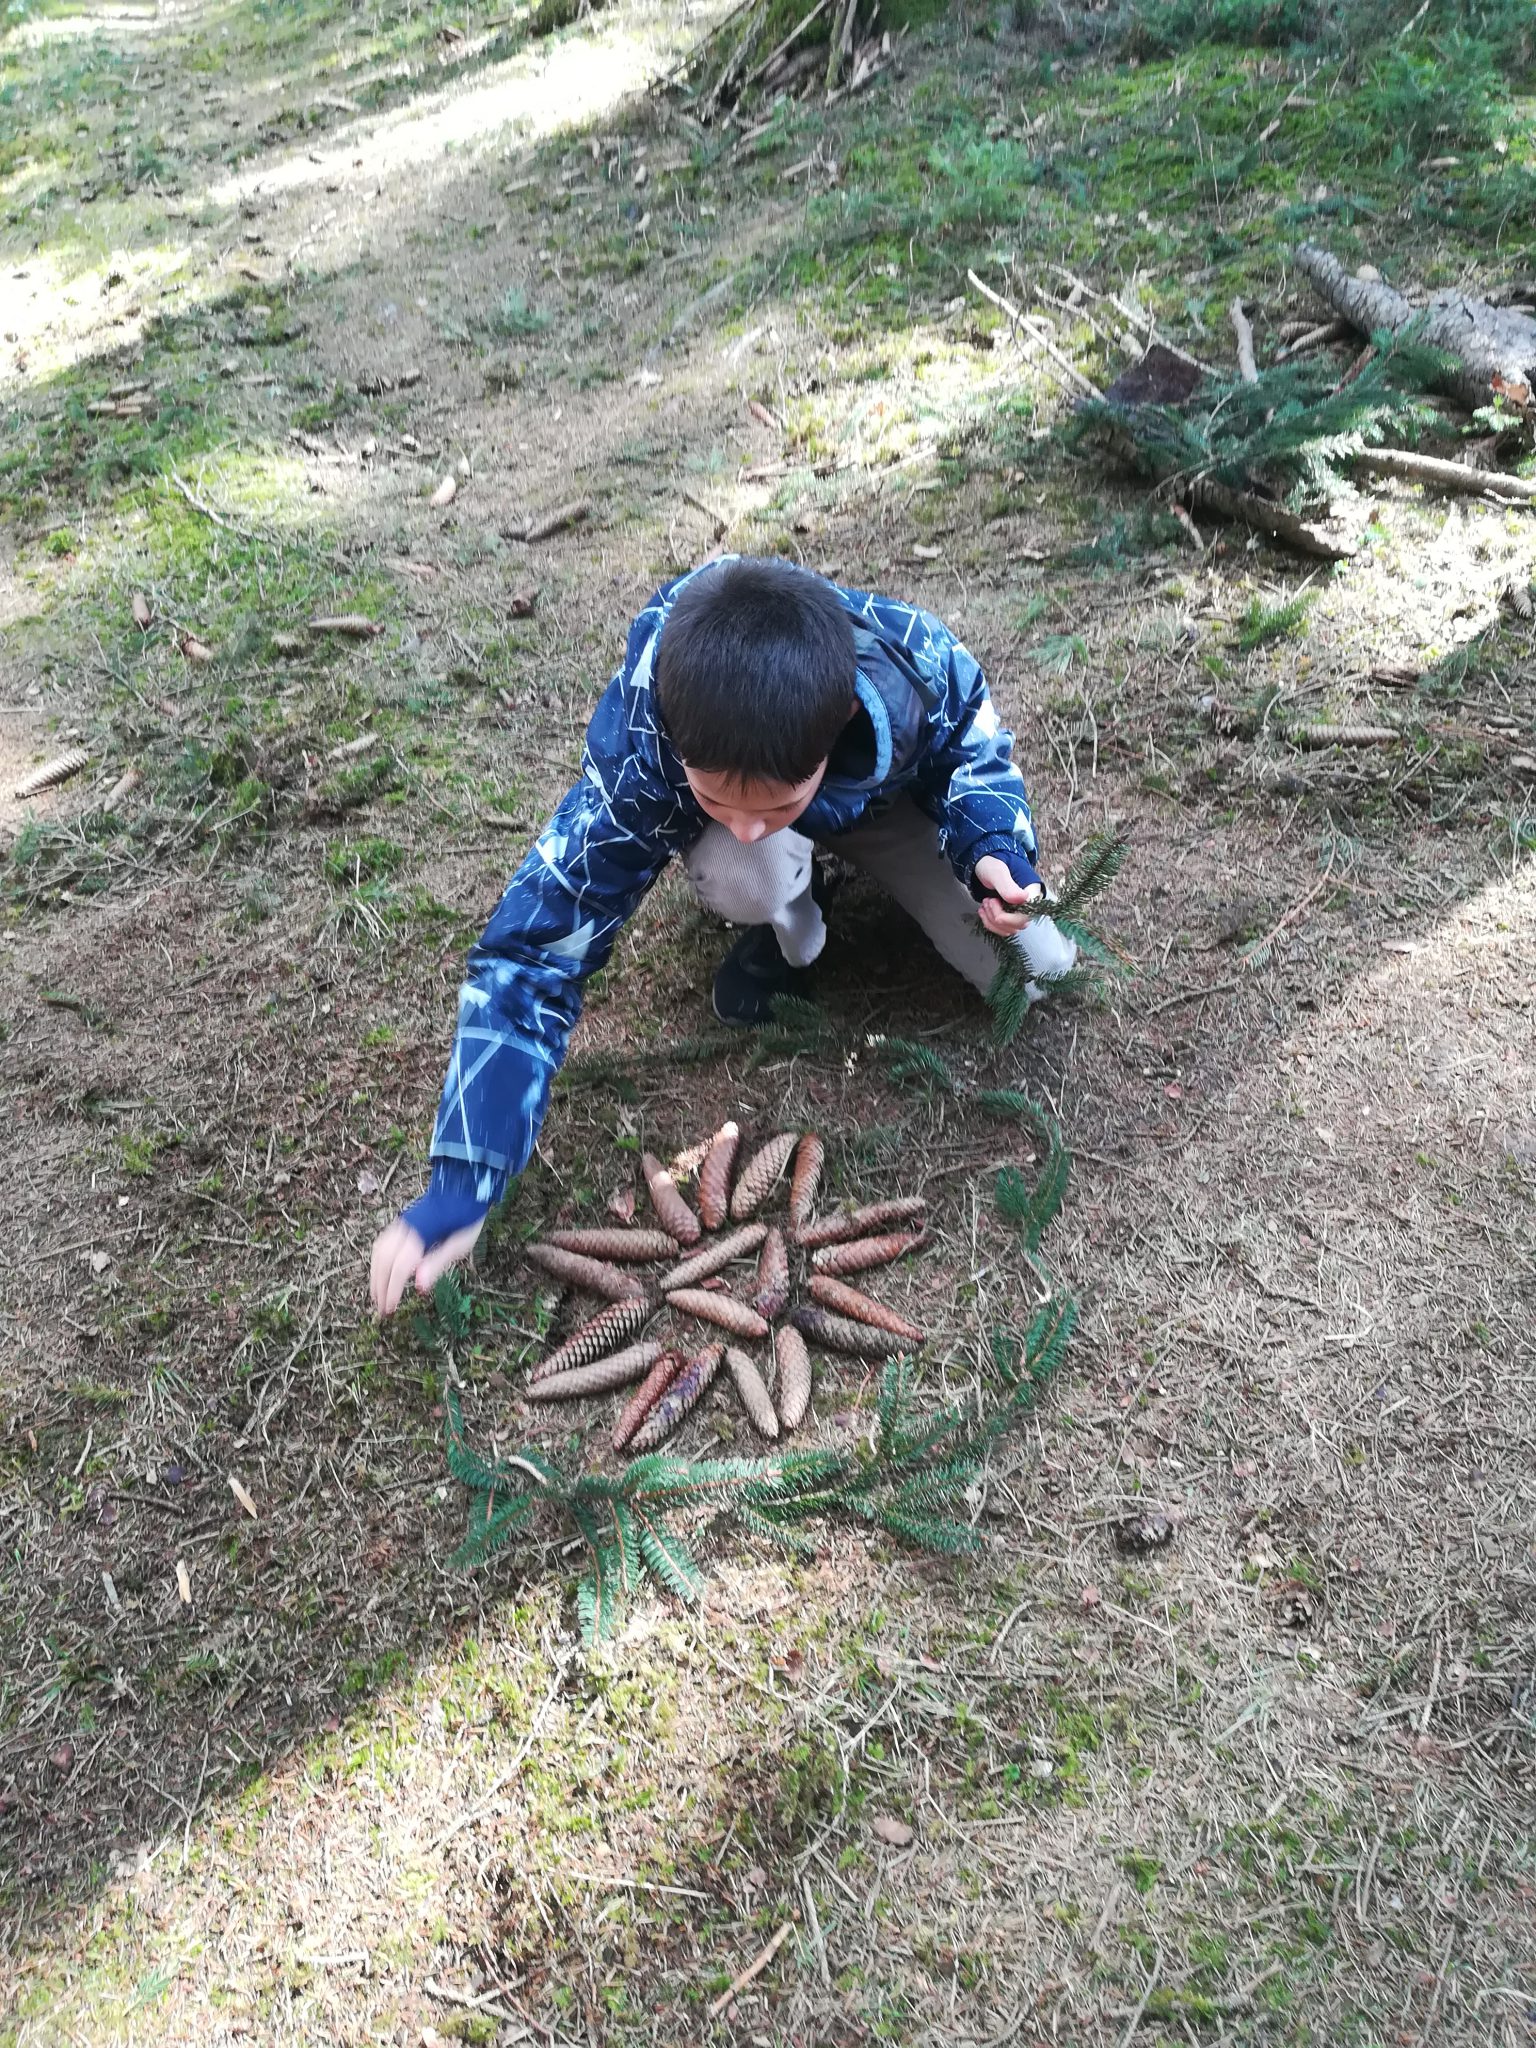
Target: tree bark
[1494,348]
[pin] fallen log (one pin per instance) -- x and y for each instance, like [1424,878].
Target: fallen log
[1494,347]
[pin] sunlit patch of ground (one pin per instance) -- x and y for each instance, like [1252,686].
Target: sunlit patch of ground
[316,206]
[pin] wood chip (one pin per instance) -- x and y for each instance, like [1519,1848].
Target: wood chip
[142,615]
[897,1832]
[446,492]
[194,649]
[183,1583]
[241,1495]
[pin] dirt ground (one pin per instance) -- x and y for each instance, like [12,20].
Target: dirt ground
[277,1772]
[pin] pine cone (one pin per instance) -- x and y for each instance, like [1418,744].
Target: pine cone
[849,1302]
[734,1245]
[722,1309]
[846,1225]
[657,1381]
[591,1274]
[715,1177]
[760,1175]
[865,1252]
[609,1327]
[805,1181]
[772,1290]
[835,1333]
[794,1363]
[754,1395]
[623,1247]
[673,1213]
[600,1377]
[684,1394]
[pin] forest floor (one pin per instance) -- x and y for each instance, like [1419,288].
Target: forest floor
[276,1772]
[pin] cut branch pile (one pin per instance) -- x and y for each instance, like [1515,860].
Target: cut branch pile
[827,49]
[1265,448]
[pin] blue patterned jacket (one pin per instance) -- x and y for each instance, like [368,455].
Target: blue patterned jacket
[926,726]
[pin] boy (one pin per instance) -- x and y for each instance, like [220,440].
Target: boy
[760,711]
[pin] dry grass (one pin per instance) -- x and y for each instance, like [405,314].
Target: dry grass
[1271,1782]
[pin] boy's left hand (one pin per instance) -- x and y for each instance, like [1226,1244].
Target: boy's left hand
[1002,891]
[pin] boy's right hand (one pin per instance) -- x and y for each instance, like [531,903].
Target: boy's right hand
[400,1256]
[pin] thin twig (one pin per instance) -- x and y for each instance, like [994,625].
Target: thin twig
[487,1805]
[1256,953]
[1146,1999]
[1447,476]
[813,1922]
[1188,995]
[753,1970]
[1032,329]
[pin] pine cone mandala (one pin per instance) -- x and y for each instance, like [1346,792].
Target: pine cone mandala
[608,1351]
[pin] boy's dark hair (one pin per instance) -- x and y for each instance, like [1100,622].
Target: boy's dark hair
[755,672]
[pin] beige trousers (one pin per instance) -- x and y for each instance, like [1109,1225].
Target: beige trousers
[769,882]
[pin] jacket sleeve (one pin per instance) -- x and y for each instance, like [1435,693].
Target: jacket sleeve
[556,924]
[968,783]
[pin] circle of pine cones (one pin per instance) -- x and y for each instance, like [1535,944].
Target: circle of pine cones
[611,1350]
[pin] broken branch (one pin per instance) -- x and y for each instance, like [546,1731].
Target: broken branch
[1204,494]
[1446,476]
[753,1970]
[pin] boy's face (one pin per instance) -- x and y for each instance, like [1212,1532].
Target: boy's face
[749,811]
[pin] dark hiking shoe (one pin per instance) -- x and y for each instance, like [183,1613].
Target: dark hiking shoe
[752,974]
[755,972]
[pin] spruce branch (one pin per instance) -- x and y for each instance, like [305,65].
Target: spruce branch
[1016,986]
